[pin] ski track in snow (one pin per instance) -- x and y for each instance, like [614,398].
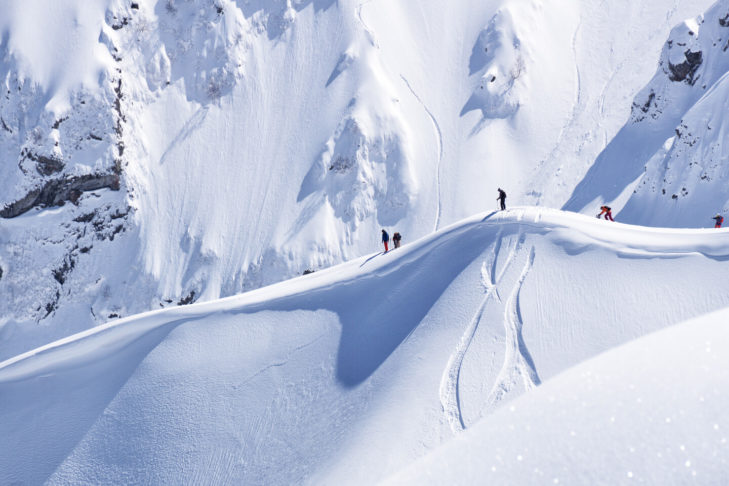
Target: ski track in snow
[449,388]
[370,33]
[518,363]
[439,134]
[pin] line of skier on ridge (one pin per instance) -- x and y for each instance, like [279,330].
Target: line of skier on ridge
[605,211]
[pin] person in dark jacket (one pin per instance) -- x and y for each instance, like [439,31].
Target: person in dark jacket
[502,198]
[719,219]
[385,239]
[396,239]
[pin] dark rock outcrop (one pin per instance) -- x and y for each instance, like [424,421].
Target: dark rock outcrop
[686,70]
[55,192]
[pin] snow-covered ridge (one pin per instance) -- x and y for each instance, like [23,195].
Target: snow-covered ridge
[406,348]
[575,233]
[252,140]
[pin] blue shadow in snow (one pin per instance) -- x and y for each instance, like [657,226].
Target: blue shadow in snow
[377,312]
[55,417]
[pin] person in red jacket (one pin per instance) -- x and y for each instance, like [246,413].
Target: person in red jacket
[719,219]
[607,212]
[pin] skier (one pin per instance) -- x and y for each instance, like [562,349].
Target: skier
[385,239]
[502,198]
[719,219]
[396,240]
[607,212]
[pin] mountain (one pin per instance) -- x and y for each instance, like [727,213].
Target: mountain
[163,153]
[651,411]
[352,373]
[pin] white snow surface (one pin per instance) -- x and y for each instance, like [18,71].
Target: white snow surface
[350,374]
[255,139]
[650,412]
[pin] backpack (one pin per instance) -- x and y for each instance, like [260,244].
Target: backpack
[396,237]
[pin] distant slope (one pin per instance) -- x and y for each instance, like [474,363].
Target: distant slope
[650,412]
[667,165]
[350,373]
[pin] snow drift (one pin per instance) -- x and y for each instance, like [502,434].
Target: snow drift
[651,411]
[351,373]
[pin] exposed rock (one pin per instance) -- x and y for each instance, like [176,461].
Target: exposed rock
[56,192]
[187,300]
[686,70]
[45,165]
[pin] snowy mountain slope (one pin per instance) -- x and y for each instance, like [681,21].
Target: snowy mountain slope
[667,165]
[350,373]
[251,140]
[651,411]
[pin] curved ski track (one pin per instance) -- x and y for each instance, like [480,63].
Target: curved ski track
[368,31]
[439,134]
[449,387]
[518,363]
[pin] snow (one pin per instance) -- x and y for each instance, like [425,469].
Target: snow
[164,153]
[351,373]
[254,140]
[74,24]
[651,411]
[670,156]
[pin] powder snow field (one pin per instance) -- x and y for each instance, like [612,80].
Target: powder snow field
[352,373]
[650,412]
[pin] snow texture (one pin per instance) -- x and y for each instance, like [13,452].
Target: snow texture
[205,148]
[351,373]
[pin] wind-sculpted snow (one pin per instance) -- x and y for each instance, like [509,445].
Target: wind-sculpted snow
[351,373]
[652,412]
[499,58]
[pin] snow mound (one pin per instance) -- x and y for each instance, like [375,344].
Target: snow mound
[652,411]
[351,373]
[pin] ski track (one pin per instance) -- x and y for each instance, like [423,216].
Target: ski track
[439,134]
[449,388]
[518,363]
[373,41]
[368,31]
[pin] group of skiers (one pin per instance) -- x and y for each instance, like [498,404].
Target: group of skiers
[396,238]
[605,211]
